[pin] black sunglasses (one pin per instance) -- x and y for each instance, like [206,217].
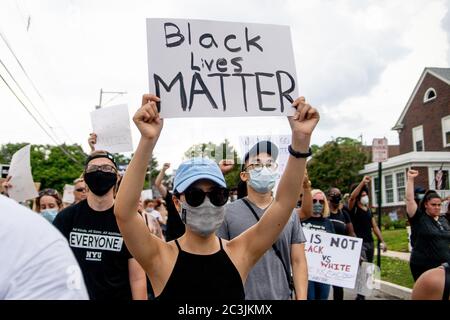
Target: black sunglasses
[195,196]
[320,201]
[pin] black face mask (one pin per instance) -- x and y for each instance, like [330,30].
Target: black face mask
[335,198]
[100,182]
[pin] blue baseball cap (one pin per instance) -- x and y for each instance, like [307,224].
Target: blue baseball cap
[196,169]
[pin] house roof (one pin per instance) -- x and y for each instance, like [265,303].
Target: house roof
[442,74]
[412,159]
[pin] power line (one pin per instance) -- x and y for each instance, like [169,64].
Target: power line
[33,85]
[40,125]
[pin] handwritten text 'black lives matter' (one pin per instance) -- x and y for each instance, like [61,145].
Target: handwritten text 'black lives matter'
[219,69]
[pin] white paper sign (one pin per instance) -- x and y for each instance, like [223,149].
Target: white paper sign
[146,194]
[332,258]
[205,68]
[68,196]
[112,126]
[23,187]
[366,280]
[380,150]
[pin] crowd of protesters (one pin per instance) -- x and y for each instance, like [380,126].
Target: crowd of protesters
[198,240]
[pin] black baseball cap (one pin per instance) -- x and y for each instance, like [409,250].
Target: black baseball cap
[102,154]
[264,146]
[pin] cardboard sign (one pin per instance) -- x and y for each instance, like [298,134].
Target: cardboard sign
[112,126]
[205,68]
[23,187]
[68,196]
[332,259]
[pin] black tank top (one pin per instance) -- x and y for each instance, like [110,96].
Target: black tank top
[203,277]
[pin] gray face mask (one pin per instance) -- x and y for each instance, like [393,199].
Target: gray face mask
[317,208]
[204,219]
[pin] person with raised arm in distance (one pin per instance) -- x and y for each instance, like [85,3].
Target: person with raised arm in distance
[199,265]
[363,221]
[431,230]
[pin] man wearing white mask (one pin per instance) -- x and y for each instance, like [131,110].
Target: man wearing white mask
[270,279]
[363,221]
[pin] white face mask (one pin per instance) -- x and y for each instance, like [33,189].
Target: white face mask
[204,219]
[49,214]
[365,200]
[262,181]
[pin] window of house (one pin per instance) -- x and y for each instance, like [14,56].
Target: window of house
[441,180]
[400,177]
[430,94]
[389,188]
[417,133]
[446,131]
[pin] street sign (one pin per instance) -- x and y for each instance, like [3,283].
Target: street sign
[379,150]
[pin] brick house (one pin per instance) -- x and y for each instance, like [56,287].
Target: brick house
[424,137]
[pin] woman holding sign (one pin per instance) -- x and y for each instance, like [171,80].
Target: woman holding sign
[199,265]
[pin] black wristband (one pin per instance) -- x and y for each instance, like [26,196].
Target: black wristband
[299,154]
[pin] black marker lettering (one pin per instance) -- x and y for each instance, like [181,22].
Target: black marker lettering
[222,87]
[196,77]
[252,42]
[207,45]
[221,65]
[176,34]
[260,92]
[225,42]
[244,86]
[195,68]
[179,77]
[285,94]
[235,62]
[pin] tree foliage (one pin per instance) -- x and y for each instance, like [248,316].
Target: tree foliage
[49,164]
[336,164]
[218,152]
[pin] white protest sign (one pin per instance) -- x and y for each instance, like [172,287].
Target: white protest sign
[332,259]
[281,141]
[112,126]
[23,187]
[368,279]
[203,68]
[146,194]
[68,196]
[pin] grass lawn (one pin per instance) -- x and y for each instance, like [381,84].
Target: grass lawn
[396,271]
[396,240]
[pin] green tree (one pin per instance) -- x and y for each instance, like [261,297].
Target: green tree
[50,165]
[218,152]
[336,164]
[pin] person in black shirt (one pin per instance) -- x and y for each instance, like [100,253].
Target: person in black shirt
[363,221]
[342,225]
[318,222]
[109,271]
[431,230]
[199,265]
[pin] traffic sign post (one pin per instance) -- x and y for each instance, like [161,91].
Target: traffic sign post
[379,154]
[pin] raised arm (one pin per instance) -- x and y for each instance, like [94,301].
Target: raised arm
[92,140]
[355,193]
[158,182]
[259,238]
[141,244]
[305,210]
[411,205]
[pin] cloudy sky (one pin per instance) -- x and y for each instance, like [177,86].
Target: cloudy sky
[357,62]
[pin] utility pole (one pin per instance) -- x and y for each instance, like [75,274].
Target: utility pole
[108,92]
